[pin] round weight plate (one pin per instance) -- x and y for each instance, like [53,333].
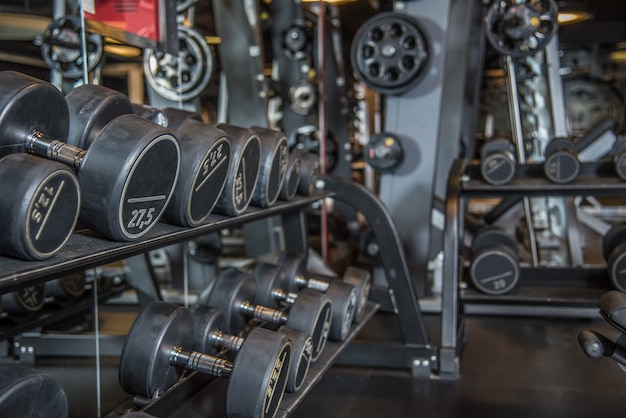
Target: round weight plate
[231,288]
[390,53]
[268,278]
[294,265]
[384,152]
[39,210]
[616,265]
[176,117]
[309,172]
[145,368]
[153,114]
[273,166]
[344,299]
[521,27]
[67,287]
[244,170]
[28,104]
[561,166]
[619,157]
[206,320]
[497,162]
[292,179]
[494,271]
[25,392]
[612,238]
[205,154]
[127,177]
[257,383]
[493,236]
[26,300]
[61,47]
[302,346]
[362,282]
[183,77]
[312,314]
[91,108]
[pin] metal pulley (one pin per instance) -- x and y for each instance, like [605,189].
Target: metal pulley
[61,47]
[390,53]
[521,27]
[184,76]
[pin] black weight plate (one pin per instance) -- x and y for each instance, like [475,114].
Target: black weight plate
[390,53]
[294,265]
[145,368]
[28,104]
[206,320]
[268,278]
[302,346]
[39,210]
[312,313]
[344,299]
[497,162]
[561,166]
[273,166]
[151,113]
[127,177]
[26,393]
[362,282]
[25,300]
[71,286]
[492,236]
[257,383]
[205,154]
[612,238]
[309,172]
[292,179]
[176,117]
[559,144]
[495,271]
[244,170]
[231,288]
[91,108]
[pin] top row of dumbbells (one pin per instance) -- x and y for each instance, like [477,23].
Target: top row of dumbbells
[118,173]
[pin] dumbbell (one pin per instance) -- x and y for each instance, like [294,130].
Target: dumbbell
[67,288]
[24,301]
[233,293]
[204,152]
[272,281]
[25,392]
[176,117]
[153,114]
[122,198]
[153,360]
[39,206]
[619,157]
[273,166]
[561,164]
[612,306]
[494,265]
[360,280]
[309,172]
[208,324]
[614,251]
[291,182]
[243,168]
[497,162]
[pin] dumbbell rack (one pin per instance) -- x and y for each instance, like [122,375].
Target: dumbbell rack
[541,290]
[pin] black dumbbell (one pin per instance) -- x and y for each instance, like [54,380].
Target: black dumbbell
[309,172]
[358,279]
[612,306]
[619,157]
[24,301]
[233,293]
[176,117]
[39,206]
[561,164]
[497,162]
[204,152]
[614,251]
[25,392]
[153,360]
[494,265]
[273,166]
[208,325]
[243,169]
[153,114]
[67,288]
[291,182]
[122,198]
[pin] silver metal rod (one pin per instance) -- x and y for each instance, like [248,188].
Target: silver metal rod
[38,144]
[263,313]
[229,342]
[202,363]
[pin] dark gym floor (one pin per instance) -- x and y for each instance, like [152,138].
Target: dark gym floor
[511,366]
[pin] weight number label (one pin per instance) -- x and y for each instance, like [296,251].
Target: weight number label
[239,188]
[275,380]
[213,161]
[44,204]
[141,218]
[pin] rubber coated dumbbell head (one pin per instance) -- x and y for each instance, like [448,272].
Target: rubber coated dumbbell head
[309,172]
[362,282]
[24,301]
[176,117]
[268,277]
[612,306]
[614,251]
[497,162]
[561,164]
[67,288]
[619,157]
[292,180]
[273,166]
[153,114]
[494,267]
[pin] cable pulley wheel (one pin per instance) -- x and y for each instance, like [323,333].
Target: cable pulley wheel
[390,53]
[61,47]
[184,76]
[520,28]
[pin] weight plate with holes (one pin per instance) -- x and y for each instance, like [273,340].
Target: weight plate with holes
[302,344]
[273,166]
[362,282]
[26,300]
[309,172]
[205,155]
[292,180]
[494,270]
[390,53]
[497,162]
[561,164]
[268,277]
[39,208]
[25,392]
[384,152]
[71,286]
[181,77]
[521,27]
[243,168]
[61,47]
[91,108]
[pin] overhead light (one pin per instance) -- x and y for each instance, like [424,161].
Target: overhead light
[568,18]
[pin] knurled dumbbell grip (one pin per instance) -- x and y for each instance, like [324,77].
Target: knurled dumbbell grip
[289,297]
[263,313]
[200,362]
[314,284]
[229,342]
[38,144]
